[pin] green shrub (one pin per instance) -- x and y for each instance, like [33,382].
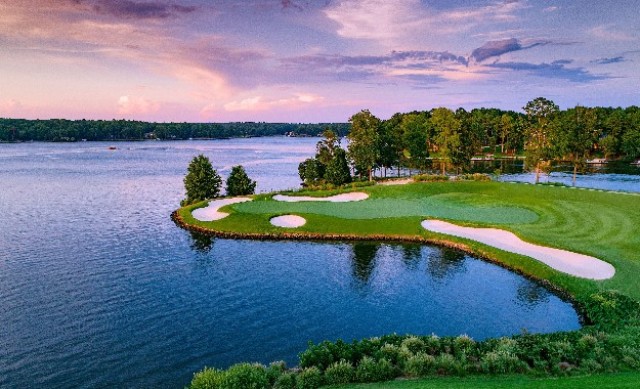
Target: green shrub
[390,352]
[474,177]
[208,378]
[501,361]
[446,364]
[430,178]
[433,344]
[245,376]
[371,371]
[309,378]
[463,346]
[413,344]
[339,373]
[275,370]
[285,381]
[419,365]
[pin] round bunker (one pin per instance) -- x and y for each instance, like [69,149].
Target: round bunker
[288,221]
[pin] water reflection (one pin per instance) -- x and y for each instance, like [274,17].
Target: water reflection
[411,255]
[364,261]
[530,294]
[201,243]
[445,263]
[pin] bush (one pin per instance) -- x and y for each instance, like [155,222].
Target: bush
[371,371]
[413,344]
[474,177]
[245,376]
[285,381]
[275,370]
[309,378]
[446,364]
[208,378]
[239,183]
[495,362]
[419,365]
[430,178]
[339,373]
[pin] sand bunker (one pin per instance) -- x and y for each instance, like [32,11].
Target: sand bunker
[578,265]
[210,212]
[341,198]
[402,181]
[288,221]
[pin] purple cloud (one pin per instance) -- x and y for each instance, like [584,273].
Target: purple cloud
[555,69]
[140,10]
[497,48]
[607,61]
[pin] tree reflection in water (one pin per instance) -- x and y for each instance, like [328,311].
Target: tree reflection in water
[445,262]
[364,261]
[201,243]
[530,294]
[411,255]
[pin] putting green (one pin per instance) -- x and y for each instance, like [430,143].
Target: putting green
[453,206]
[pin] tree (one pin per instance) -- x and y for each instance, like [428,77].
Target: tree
[414,130]
[447,127]
[337,172]
[311,171]
[506,128]
[202,181]
[541,113]
[239,183]
[578,136]
[363,141]
[326,147]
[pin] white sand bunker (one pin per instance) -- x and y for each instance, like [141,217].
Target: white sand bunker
[402,181]
[210,212]
[341,198]
[288,221]
[578,265]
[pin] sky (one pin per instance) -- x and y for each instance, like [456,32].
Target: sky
[310,61]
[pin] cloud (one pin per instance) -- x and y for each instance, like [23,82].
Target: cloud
[499,47]
[136,106]
[609,34]
[555,70]
[607,61]
[140,10]
[550,9]
[259,103]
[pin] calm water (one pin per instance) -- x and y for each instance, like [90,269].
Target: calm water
[99,288]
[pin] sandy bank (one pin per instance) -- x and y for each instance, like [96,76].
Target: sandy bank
[288,221]
[211,213]
[341,198]
[578,265]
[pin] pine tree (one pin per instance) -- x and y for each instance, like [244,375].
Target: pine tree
[202,181]
[239,183]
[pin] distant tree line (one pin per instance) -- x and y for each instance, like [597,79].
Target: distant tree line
[447,140]
[61,130]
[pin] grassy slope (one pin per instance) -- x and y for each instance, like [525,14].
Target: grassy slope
[605,381]
[605,225]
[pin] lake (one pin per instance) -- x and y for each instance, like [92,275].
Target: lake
[99,288]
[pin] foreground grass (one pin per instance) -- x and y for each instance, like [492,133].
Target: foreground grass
[604,381]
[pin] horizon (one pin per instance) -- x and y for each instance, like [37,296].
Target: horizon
[301,61]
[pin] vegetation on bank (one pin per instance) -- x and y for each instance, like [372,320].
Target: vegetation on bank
[61,130]
[602,224]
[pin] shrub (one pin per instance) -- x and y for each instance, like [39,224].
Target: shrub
[309,378]
[419,365]
[285,381]
[371,371]
[208,378]
[432,344]
[339,373]
[275,370]
[463,346]
[413,344]
[245,376]
[446,364]
[495,362]
[430,178]
[474,177]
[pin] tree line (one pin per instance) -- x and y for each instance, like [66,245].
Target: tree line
[447,140]
[62,130]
